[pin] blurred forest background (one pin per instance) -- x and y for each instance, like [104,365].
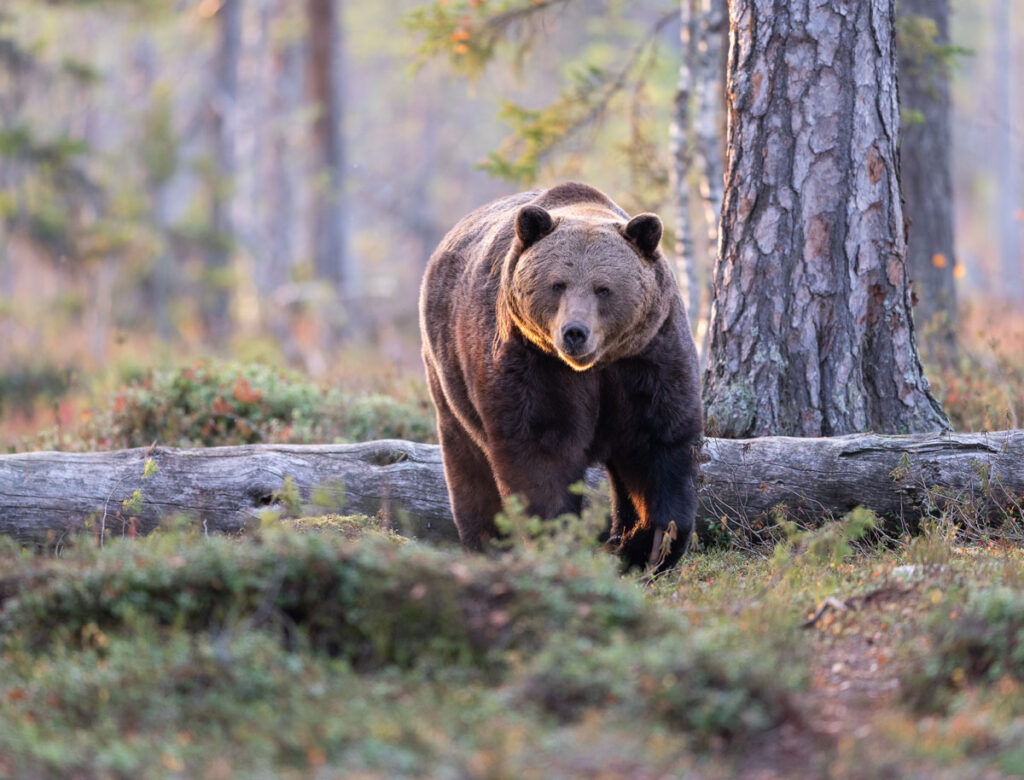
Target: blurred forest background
[264,180]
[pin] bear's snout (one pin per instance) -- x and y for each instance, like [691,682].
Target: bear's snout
[574,338]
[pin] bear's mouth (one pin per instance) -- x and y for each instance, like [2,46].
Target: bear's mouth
[579,362]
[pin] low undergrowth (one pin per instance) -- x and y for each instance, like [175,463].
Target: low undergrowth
[214,403]
[318,645]
[331,645]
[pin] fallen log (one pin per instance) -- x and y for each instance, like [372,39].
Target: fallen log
[45,495]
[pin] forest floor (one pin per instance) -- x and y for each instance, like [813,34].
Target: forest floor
[331,647]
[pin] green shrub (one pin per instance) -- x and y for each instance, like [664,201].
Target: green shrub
[981,643]
[226,704]
[300,650]
[373,601]
[226,403]
[22,385]
[709,683]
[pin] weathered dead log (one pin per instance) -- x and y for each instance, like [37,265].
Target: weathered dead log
[226,488]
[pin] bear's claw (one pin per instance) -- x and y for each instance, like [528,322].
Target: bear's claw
[662,545]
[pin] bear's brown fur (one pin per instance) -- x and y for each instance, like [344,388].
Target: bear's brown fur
[554,337]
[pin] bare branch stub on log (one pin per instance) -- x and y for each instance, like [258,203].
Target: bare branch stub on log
[226,488]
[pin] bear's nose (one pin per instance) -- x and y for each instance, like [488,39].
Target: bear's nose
[575,336]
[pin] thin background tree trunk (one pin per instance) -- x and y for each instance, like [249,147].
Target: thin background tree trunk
[811,328]
[707,122]
[333,260]
[222,129]
[682,161]
[926,178]
[282,201]
[160,285]
[1010,200]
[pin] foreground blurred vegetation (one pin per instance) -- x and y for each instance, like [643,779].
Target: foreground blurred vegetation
[330,645]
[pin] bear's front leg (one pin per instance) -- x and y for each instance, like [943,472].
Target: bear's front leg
[540,418]
[471,487]
[541,477]
[660,486]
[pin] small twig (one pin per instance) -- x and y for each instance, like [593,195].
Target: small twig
[103,518]
[106,504]
[851,602]
[830,602]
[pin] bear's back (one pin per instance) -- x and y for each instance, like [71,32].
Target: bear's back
[489,230]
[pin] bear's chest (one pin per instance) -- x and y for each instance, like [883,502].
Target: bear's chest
[538,401]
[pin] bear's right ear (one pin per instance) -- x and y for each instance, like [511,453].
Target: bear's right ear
[532,224]
[644,232]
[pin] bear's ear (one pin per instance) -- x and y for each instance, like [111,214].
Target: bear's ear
[532,224]
[644,232]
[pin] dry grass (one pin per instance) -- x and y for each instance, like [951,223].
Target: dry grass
[983,388]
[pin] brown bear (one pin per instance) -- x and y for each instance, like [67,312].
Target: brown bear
[555,337]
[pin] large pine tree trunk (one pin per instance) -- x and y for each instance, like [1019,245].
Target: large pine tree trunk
[926,179]
[160,165]
[811,330]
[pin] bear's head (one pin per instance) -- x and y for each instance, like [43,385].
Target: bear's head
[583,284]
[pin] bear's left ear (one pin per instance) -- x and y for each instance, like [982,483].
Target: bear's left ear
[532,224]
[644,232]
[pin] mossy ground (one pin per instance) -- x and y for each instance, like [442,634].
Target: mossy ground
[331,646]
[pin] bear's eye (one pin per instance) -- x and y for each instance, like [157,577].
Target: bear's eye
[602,292]
[558,287]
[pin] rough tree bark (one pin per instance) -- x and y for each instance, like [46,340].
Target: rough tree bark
[925,176]
[46,494]
[811,330]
